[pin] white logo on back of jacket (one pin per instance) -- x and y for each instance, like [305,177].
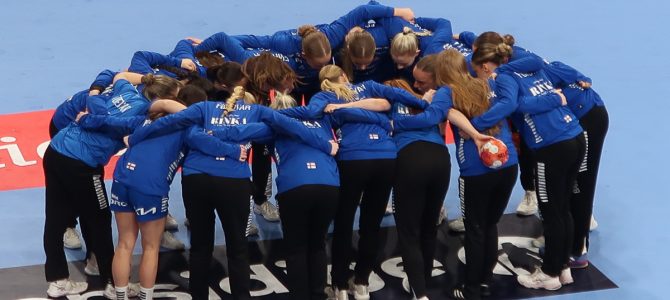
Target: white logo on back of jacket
[121,104]
[230,120]
[541,87]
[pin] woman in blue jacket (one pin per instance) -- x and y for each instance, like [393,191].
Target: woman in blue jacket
[365,53]
[414,40]
[484,191]
[203,172]
[528,204]
[421,182]
[64,114]
[553,134]
[73,165]
[142,179]
[590,109]
[366,162]
[306,171]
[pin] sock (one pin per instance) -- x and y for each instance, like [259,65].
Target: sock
[146,293]
[121,292]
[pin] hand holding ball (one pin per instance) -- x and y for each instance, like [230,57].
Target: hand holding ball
[494,154]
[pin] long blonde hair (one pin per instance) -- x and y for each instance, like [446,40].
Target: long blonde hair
[238,93]
[282,101]
[329,77]
[470,95]
[407,41]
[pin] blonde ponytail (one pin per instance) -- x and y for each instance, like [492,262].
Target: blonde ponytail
[283,101]
[407,41]
[238,93]
[329,76]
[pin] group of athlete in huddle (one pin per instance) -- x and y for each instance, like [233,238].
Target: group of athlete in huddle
[377,87]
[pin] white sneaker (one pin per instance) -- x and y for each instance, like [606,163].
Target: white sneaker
[443,216]
[253,229]
[389,208]
[341,294]
[132,292]
[268,211]
[528,205]
[457,225]
[422,298]
[566,277]
[538,242]
[171,223]
[539,280]
[63,287]
[594,224]
[91,268]
[110,292]
[361,292]
[169,241]
[71,239]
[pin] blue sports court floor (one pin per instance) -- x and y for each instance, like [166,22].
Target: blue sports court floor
[52,49]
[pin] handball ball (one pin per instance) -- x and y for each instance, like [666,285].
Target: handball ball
[494,154]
